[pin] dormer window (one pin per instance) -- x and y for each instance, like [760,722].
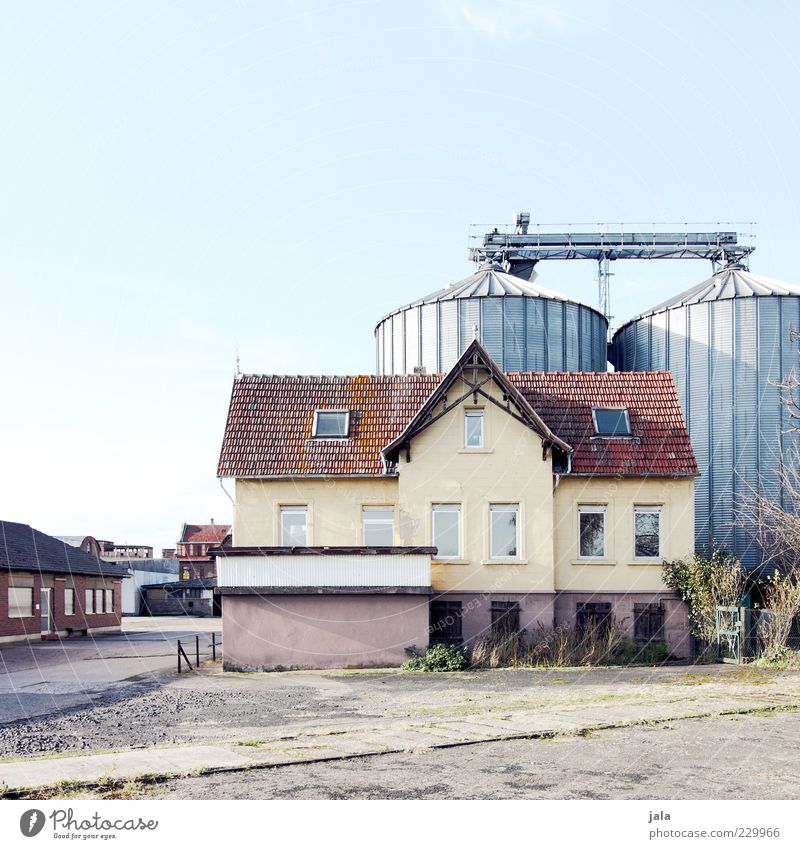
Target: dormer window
[331,424]
[611,421]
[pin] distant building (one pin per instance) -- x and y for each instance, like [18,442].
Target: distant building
[193,557]
[194,597]
[126,551]
[51,589]
[85,543]
[145,573]
[108,550]
[167,553]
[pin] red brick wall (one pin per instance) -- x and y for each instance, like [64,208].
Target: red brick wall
[25,626]
[31,625]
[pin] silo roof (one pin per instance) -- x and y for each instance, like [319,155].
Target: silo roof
[490,280]
[733,282]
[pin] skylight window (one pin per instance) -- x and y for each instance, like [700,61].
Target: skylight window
[331,424]
[611,421]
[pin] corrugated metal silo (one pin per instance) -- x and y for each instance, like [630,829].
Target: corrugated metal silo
[524,327]
[726,342]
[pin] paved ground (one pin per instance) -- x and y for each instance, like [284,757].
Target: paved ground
[742,757]
[408,723]
[41,678]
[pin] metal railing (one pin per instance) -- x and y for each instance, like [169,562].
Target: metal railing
[198,656]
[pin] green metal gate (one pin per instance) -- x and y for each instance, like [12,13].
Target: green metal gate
[732,634]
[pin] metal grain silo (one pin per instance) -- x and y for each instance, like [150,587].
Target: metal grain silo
[727,343]
[524,327]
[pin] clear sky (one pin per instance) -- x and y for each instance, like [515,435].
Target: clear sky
[179,178]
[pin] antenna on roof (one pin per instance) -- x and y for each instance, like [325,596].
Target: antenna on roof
[238,370]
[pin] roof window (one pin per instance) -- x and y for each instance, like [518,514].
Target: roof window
[611,421]
[331,424]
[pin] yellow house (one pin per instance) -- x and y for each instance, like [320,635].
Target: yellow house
[377,512]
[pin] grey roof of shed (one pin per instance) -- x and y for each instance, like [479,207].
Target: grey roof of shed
[24,549]
[159,565]
[732,282]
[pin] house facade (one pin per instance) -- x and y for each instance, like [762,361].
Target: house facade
[373,513]
[50,589]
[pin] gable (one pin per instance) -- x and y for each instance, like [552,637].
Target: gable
[474,377]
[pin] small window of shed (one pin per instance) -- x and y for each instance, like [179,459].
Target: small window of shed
[611,421]
[332,424]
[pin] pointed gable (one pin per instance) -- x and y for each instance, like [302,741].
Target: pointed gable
[473,370]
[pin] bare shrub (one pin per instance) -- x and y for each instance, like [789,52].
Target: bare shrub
[706,583]
[596,645]
[775,622]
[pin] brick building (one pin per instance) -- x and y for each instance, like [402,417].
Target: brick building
[50,589]
[194,561]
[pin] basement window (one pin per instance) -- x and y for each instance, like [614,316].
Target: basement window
[331,424]
[611,421]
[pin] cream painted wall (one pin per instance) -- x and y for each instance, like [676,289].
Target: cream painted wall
[509,469]
[334,508]
[620,570]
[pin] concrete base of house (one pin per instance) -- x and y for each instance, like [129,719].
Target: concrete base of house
[60,635]
[539,611]
[337,630]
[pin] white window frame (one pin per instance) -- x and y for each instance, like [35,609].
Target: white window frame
[91,601]
[474,414]
[16,606]
[594,508]
[600,435]
[69,606]
[365,511]
[108,600]
[504,505]
[292,508]
[447,507]
[345,413]
[647,508]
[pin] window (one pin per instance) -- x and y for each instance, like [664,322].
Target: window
[109,601]
[505,618]
[473,429]
[445,622]
[593,617]
[294,526]
[611,421]
[648,622]
[446,525]
[20,602]
[378,524]
[69,601]
[90,608]
[503,530]
[331,424]
[592,531]
[647,531]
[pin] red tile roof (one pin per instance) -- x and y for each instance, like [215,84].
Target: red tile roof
[204,533]
[270,420]
[660,443]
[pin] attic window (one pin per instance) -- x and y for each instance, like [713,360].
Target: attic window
[611,421]
[331,424]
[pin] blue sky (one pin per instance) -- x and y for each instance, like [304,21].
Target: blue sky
[180,178]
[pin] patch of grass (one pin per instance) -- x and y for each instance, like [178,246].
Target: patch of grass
[253,743]
[103,788]
[790,659]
